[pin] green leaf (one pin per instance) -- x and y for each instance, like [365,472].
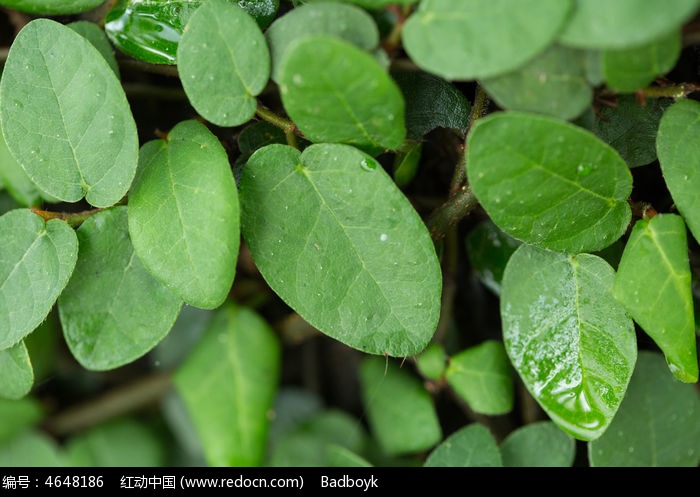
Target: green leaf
[553,83]
[15,180]
[489,249]
[369,4]
[16,372]
[228,384]
[258,135]
[30,449]
[263,11]
[340,457]
[679,155]
[407,161]
[657,424]
[431,102]
[631,128]
[112,311]
[547,182]
[36,261]
[340,244]
[342,21]
[482,376]
[120,443]
[472,446]
[338,107]
[400,411]
[538,445]
[7,203]
[186,331]
[624,23]
[223,93]
[52,7]
[97,37]
[65,117]
[293,406]
[569,339]
[42,345]
[16,415]
[184,215]
[653,283]
[431,363]
[629,69]
[481,38]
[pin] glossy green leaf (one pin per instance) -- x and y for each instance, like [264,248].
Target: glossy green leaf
[97,37]
[370,4]
[657,424]
[258,135]
[335,238]
[15,180]
[548,182]
[340,457]
[489,250]
[346,22]
[653,283]
[36,261]
[472,446]
[43,347]
[187,330]
[51,7]
[16,415]
[679,154]
[30,449]
[338,106]
[113,311]
[184,215]
[65,117]
[228,384]
[120,443]
[624,23]
[569,339]
[223,93]
[431,102]
[16,372]
[482,376]
[399,410]
[553,83]
[457,39]
[407,161]
[631,128]
[538,445]
[263,11]
[630,69]
[432,362]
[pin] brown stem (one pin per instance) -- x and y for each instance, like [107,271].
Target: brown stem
[451,212]
[481,102]
[72,218]
[17,19]
[4,52]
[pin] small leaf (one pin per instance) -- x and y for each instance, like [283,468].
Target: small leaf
[258,135]
[553,83]
[406,162]
[482,376]
[657,424]
[489,249]
[65,117]
[228,384]
[15,180]
[346,22]
[472,446]
[431,102]
[16,415]
[549,183]
[184,215]
[624,23]
[455,39]
[51,7]
[630,69]
[569,339]
[97,37]
[341,245]
[432,362]
[340,457]
[538,445]
[30,449]
[186,331]
[679,155]
[223,93]
[338,107]
[36,261]
[112,311]
[653,283]
[16,372]
[400,411]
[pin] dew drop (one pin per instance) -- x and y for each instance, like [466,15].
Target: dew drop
[383,237]
[584,169]
[368,165]
[297,79]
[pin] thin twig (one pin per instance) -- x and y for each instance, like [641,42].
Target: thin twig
[481,102]
[72,218]
[451,212]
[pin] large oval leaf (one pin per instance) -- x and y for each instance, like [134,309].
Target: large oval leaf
[335,238]
[15,180]
[36,261]
[51,7]
[569,339]
[223,93]
[472,446]
[16,372]
[548,182]
[657,424]
[679,155]
[481,38]
[489,250]
[653,283]
[183,214]
[65,117]
[624,23]
[113,311]
[352,101]
[229,383]
[97,37]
